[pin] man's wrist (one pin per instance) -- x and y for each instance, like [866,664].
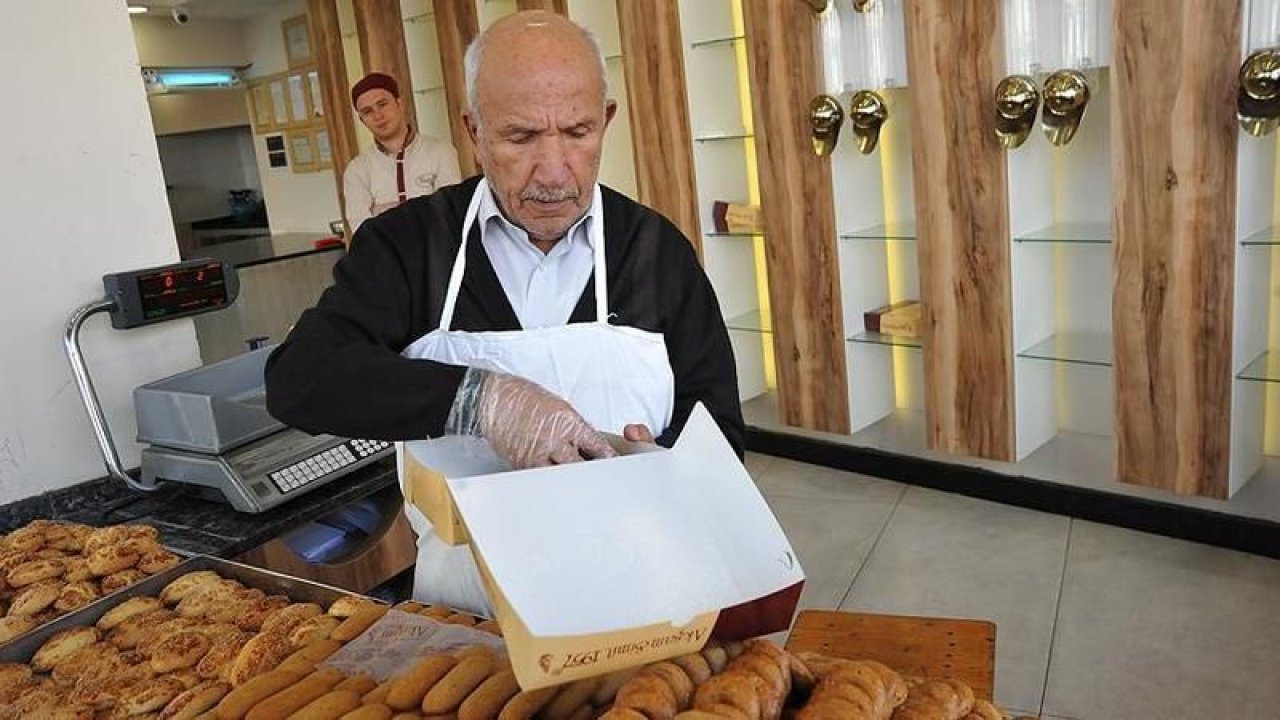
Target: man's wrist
[464,415]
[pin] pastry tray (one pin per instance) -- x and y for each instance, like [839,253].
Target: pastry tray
[21,649]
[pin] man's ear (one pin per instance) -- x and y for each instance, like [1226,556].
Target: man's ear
[610,109]
[473,127]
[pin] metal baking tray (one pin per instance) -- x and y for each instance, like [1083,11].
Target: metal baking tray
[21,649]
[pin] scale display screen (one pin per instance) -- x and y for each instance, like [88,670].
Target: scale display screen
[169,292]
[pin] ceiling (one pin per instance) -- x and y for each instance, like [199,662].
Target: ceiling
[209,9]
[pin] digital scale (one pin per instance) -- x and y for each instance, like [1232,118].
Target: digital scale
[208,427]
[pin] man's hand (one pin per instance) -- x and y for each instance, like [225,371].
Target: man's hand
[637,433]
[530,427]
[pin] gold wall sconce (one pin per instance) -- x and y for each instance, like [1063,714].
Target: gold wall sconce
[867,113]
[1017,100]
[1258,99]
[818,6]
[826,117]
[862,5]
[1066,94]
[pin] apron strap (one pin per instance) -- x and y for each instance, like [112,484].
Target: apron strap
[460,261]
[601,272]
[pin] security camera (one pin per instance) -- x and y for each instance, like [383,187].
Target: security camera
[181,14]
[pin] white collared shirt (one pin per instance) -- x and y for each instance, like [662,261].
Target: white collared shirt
[543,288]
[369,182]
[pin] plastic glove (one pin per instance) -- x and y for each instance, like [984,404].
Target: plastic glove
[525,424]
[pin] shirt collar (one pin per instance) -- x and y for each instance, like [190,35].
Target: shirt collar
[409,140]
[490,212]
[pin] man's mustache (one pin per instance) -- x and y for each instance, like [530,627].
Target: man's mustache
[549,195]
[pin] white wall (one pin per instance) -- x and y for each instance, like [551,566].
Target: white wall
[81,181]
[296,202]
[201,43]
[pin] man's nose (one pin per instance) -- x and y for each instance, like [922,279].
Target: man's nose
[552,166]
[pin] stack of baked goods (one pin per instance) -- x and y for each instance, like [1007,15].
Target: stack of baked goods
[178,654]
[49,568]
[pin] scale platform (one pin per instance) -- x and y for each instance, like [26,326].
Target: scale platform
[209,427]
[264,473]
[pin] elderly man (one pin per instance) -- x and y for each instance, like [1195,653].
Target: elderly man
[531,307]
[402,163]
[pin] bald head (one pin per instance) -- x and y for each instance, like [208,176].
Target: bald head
[537,110]
[537,36]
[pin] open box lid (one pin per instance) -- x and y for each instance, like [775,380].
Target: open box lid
[648,539]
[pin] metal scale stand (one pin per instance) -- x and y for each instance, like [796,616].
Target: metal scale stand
[207,427]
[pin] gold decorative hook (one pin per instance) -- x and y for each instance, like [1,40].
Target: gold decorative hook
[1066,93]
[1017,100]
[826,117]
[863,5]
[818,6]
[868,112]
[1258,100]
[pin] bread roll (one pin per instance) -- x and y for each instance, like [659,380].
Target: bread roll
[527,703]
[296,696]
[109,559]
[179,651]
[34,571]
[122,579]
[157,561]
[149,696]
[191,703]
[132,607]
[407,689]
[347,605]
[570,698]
[488,699]
[174,592]
[32,599]
[242,699]
[284,620]
[472,669]
[316,628]
[61,645]
[75,595]
[357,622]
[15,625]
[263,652]
[330,706]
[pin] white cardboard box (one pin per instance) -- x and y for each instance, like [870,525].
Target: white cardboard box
[601,565]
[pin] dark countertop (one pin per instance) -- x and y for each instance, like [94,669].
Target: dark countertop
[192,525]
[255,247]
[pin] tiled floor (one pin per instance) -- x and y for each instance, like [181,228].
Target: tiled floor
[1094,622]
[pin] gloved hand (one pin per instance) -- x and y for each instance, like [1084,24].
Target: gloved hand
[525,424]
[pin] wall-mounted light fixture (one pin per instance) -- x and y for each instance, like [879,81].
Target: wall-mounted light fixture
[1017,98]
[877,58]
[826,117]
[1258,98]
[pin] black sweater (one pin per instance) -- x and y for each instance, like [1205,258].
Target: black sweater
[340,370]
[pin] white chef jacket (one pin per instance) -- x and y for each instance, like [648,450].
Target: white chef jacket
[370,181]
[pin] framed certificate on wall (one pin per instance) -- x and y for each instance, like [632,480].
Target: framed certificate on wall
[317,96]
[324,153]
[279,102]
[301,151]
[260,101]
[299,102]
[297,41]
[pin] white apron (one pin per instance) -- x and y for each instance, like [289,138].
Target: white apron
[612,375]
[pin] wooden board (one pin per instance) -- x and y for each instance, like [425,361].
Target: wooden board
[380,29]
[929,647]
[800,225]
[457,23]
[1174,140]
[335,87]
[661,139]
[954,60]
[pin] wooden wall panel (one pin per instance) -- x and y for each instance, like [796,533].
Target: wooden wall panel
[380,27]
[457,24]
[555,6]
[800,232]
[335,86]
[661,138]
[954,58]
[1173,160]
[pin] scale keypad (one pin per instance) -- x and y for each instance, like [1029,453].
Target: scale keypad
[316,467]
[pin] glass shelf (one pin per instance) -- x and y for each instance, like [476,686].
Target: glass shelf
[873,338]
[1266,368]
[722,135]
[611,58]
[750,322]
[735,234]
[1085,233]
[887,231]
[1270,236]
[711,42]
[1078,348]
[425,90]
